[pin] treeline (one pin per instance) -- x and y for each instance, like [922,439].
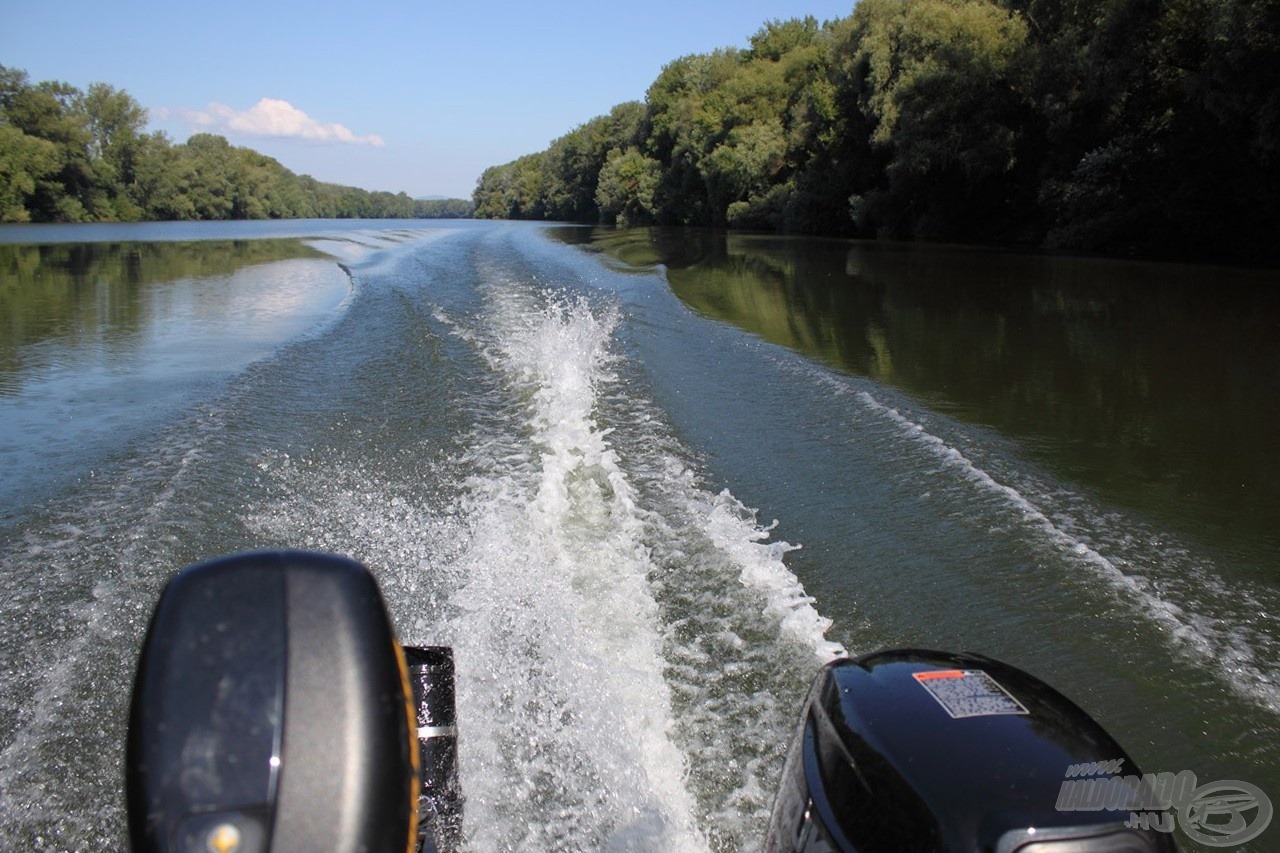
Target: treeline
[1144,126]
[442,208]
[73,156]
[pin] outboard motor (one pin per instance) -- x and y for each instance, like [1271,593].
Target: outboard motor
[272,710]
[912,750]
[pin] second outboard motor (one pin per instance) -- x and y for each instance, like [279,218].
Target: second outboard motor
[922,751]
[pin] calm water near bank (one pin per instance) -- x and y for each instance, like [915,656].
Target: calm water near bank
[102,341]
[563,450]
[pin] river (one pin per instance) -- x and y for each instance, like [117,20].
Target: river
[644,483]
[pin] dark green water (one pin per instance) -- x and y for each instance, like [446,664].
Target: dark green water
[563,451]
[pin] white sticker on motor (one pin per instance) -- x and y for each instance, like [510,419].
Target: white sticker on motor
[968,693]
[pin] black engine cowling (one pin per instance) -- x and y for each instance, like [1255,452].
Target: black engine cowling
[912,750]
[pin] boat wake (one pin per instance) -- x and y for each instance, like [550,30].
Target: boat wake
[631,648]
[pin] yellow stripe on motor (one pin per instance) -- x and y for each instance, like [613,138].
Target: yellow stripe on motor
[411,731]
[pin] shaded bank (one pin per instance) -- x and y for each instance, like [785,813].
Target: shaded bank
[1117,126]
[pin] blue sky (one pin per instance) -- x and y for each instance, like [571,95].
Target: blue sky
[417,97]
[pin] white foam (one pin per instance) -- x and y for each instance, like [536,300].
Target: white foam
[733,527]
[558,631]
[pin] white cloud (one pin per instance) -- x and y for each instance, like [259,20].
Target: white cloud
[273,117]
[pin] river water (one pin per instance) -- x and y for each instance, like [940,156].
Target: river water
[644,483]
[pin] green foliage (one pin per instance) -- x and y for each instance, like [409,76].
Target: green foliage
[627,187]
[574,162]
[1133,126]
[776,39]
[71,156]
[26,162]
[443,208]
[514,191]
[937,80]
[1168,142]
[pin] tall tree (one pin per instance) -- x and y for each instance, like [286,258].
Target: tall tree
[626,194]
[48,111]
[936,79]
[115,122]
[26,162]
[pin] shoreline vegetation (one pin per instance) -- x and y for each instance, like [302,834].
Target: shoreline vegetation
[1134,128]
[73,156]
[1121,127]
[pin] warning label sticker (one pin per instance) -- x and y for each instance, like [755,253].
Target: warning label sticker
[968,693]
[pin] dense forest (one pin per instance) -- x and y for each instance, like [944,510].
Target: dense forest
[1130,126]
[73,156]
